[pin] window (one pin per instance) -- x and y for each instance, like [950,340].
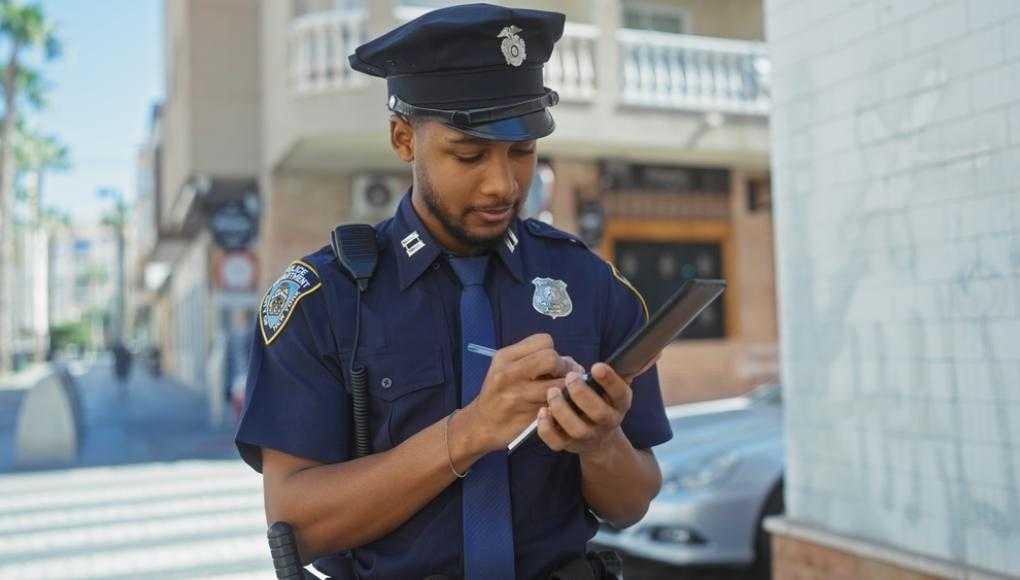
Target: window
[622,177]
[759,194]
[659,18]
[658,268]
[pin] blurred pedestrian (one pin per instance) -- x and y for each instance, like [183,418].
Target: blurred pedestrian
[121,366]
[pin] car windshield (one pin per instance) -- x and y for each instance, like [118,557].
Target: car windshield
[767,394]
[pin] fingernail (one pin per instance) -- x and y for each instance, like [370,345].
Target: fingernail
[571,377]
[551,394]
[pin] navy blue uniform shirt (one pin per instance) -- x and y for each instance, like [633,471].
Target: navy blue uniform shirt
[410,343]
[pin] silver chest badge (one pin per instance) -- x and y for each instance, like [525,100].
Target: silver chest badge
[512,46]
[551,298]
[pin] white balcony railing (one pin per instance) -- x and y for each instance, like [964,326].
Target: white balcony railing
[319,45]
[571,67]
[681,71]
[660,70]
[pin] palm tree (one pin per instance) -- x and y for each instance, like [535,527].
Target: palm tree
[35,155]
[23,29]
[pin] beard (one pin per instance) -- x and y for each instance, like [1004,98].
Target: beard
[454,225]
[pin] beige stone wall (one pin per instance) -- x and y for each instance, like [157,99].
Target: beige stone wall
[224,99]
[753,251]
[176,108]
[212,109]
[741,19]
[300,211]
[794,559]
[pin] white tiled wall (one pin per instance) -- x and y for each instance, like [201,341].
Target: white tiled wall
[896,166]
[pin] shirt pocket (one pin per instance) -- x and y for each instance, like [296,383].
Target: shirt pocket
[406,392]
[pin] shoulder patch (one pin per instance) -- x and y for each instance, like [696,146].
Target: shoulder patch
[544,230]
[623,280]
[298,280]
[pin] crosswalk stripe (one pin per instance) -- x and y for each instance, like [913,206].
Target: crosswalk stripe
[125,534]
[144,560]
[35,483]
[115,492]
[109,514]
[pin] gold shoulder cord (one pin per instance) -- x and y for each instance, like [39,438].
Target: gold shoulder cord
[626,282]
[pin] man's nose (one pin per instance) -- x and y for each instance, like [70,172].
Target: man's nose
[499,177]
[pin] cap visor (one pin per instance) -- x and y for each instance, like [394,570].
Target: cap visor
[524,128]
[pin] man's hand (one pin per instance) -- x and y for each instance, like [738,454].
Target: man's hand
[588,425]
[515,388]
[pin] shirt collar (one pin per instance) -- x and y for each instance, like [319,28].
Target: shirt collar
[412,244]
[416,250]
[510,251]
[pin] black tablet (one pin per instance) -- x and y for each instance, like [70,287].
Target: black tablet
[640,348]
[667,323]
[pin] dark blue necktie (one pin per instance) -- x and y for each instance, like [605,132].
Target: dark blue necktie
[488,527]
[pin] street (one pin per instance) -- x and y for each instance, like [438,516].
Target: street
[156,493]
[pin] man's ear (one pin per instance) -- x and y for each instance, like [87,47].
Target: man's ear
[402,138]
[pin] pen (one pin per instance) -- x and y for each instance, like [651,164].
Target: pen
[482,350]
[486,351]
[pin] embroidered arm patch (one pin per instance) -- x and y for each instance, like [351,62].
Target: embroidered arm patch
[298,280]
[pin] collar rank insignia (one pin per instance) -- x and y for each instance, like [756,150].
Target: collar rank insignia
[412,242]
[512,46]
[510,239]
[551,298]
[298,280]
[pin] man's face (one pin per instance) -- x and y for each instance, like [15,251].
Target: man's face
[467,190]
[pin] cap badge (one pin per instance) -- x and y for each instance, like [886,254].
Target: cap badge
[551,298]
[512,46]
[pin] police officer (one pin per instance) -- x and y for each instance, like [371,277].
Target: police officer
[439,494]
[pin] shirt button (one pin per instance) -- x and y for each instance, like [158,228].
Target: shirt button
[386,382]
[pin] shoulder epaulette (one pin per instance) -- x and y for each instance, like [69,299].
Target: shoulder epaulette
[544,230]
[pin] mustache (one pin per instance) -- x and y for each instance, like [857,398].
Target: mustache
[515,204]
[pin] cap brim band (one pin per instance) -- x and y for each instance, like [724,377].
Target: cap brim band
[524,128]
[441,89]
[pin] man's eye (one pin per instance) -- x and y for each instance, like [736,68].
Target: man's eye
[523,151]
[468,158]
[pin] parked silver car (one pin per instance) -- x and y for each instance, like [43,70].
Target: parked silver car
[722,474]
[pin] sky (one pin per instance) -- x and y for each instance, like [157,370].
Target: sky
[102,90]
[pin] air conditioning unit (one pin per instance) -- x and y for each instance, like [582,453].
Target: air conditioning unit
[375,196]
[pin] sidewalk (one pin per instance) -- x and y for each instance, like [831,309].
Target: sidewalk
[160,420]
[155,493]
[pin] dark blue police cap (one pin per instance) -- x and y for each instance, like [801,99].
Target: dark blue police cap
[475,67]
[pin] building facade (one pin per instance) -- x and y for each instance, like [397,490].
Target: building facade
[659,159]
[896,143]
[199,192]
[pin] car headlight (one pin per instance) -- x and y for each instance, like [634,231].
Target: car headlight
[701,475]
